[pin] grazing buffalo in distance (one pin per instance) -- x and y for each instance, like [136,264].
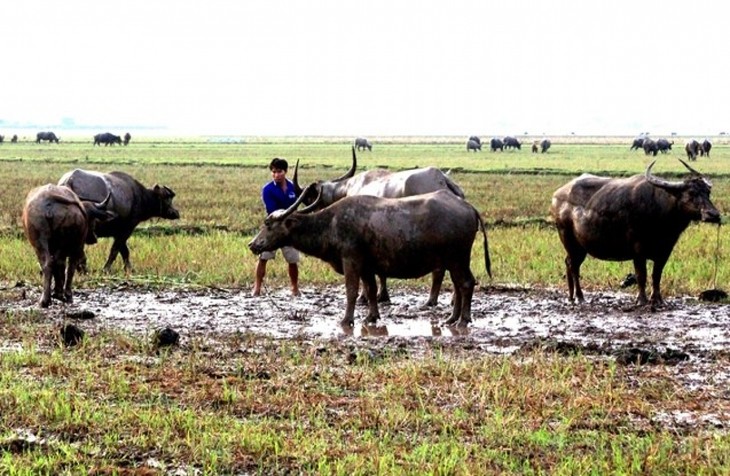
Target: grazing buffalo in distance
[127,138]
[535,146]
[131,201]
[705,148]
[650,147]
[107,138]
[664,146]
[14,139]
[56,222]
[473,145]
[364,236]
[545,145]
[511,143]
[362,143]
[496,143]
[637,218]
[2,139]
[692,148]
[638,143]
[49,136]
[381,183]
[476,139]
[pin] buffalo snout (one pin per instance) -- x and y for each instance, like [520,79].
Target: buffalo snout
[711,215]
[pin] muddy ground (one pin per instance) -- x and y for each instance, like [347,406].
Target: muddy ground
[688,337]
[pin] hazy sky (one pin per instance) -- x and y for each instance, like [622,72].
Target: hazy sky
[376,67]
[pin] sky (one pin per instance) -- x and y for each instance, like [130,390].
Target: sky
[369,68]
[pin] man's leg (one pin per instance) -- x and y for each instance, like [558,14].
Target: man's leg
[259,277]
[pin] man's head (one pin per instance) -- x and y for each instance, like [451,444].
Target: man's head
[279,164]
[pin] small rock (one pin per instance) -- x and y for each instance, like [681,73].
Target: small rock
[71,335]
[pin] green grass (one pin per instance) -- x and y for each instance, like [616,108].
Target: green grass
[252,404]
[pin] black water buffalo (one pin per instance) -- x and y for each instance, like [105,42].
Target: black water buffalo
[127,138]
[705,148]
[545,145]
[107,138]
[14,139]
[638,218]
[2,139]
[362,143]
[692,148]
[650,147]
[638,143]
[664,146]
[49,136]
[131,201]
[473,145]
[381,183]
[56,223]
[364,236]
[511,143]
[496,143]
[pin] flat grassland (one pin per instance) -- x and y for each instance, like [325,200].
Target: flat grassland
[246,403]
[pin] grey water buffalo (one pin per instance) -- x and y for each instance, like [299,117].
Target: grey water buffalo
[361,143]
[48,136]
[545,145]
[705,148]
[131,201]
[381,183]
[511,143]
[363,236]
[473,145]
[56,223]
[496,143]
[637,218]
[638,143]
[692,149]
[107,138]
[664,146]
[650,147]
[127,138]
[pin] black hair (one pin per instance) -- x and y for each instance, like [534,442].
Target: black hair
[280,164]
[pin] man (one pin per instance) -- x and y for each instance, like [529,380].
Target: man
[279,194]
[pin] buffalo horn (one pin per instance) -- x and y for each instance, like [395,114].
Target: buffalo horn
[296,204]
[104,202]
[689,168]
[295,180]
[350,172]
[657,182]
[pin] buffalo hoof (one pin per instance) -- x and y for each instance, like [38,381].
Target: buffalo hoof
[371,319]
[362,300]
[45,302]
[347,323]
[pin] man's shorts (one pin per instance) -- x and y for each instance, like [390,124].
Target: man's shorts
[291,255]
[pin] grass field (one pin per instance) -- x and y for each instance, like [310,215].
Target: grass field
[248,404]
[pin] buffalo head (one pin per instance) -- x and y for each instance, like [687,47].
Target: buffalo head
[324,190]
[165,195]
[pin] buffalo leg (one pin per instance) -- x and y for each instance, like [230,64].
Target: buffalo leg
[47,268]
[640,271]
[464,283]
[370,289]
[119,246]
[352,285]
[59,278]
[573,263]
[437,278]
[383,295]
[656,278]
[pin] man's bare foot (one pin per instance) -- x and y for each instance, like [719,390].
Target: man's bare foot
[295,293]
[256,293]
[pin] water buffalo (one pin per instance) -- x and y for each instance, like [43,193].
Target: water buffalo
[692,148]
[473,145]
[364,236]
[511,143]
[56,223]
[14,139]
[362,143]
[637,218]
[535,146]
[382,183]
[49,136]
[496,143]
[107,138]
[131,201]
[2,139]
[650,147]
[127,138]
[545,145]
[664,146]
[705,148]
[638,143]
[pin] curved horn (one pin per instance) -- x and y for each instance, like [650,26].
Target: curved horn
[689,168]
[295,180]
[294,205]
[656,181]
[104,202]
[314,204]
[350,172]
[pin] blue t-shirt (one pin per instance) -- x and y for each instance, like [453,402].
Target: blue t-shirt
[275,198]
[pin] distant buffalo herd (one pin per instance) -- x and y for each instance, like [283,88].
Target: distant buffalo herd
[692,147]
[474,143]
[106,138]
